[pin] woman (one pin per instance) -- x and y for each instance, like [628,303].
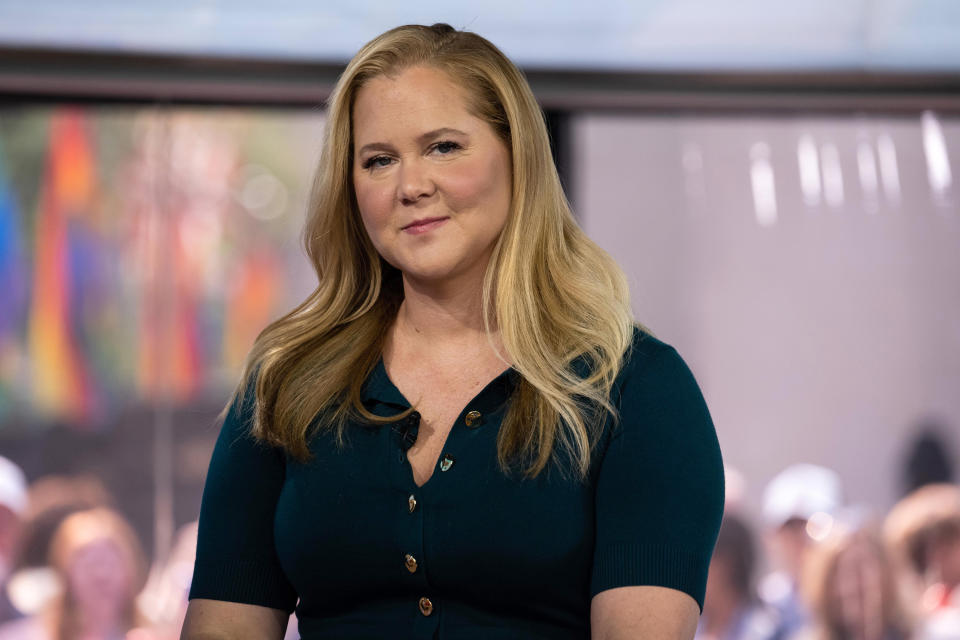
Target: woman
[850,586]
[101,569]
[922,532]
[461,433]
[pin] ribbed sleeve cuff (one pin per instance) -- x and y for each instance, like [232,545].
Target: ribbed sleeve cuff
[244,581]
[629,564]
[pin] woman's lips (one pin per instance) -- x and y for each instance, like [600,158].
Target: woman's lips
[425,225]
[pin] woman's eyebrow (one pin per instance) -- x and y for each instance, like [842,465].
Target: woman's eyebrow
[383,146]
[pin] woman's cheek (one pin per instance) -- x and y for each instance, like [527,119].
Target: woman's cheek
[371,208]
[465,183]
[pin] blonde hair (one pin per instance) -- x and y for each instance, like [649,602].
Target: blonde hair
[912,521]
[925,513]
[553,294]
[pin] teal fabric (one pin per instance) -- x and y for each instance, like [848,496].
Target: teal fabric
[498,556]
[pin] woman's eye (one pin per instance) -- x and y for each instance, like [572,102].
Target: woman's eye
[376,161]
[446,147]
[443,148]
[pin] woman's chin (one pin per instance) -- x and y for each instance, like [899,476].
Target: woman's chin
[432,275]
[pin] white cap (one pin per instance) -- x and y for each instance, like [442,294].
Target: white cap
[799,491]
[13,486]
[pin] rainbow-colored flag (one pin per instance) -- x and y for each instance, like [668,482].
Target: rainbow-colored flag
[13,289]
[62,384]
[250,302]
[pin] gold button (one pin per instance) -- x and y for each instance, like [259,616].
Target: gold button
[473,419]
[446,463]
[426,607]
[411,563]
[411,503]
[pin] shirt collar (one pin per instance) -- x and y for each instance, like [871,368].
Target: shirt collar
[379,388]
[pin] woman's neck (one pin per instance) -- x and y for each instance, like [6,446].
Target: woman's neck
[442,327]
[447,313]
[100,620]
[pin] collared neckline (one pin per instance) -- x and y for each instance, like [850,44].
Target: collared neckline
[380,388]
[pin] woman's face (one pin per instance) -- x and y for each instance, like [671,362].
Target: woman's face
[432,181]
[857,591]
[98,574]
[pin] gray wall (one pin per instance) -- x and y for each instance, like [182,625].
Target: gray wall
[819,333]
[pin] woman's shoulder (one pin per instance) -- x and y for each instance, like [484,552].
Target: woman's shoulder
[645,345]
[647,356]
[655,381]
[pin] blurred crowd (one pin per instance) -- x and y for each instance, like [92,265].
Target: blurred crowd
[835,571]
[72,567]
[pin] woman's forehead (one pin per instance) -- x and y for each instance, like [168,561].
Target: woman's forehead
[409,98]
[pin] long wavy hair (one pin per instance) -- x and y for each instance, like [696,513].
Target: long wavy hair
[560,303]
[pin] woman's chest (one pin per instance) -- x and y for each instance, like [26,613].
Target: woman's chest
[436,420]
[440,397]
[354,523]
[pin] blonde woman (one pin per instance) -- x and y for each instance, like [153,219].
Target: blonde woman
[461,433]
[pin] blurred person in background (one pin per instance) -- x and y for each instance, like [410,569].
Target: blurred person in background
[731,608]
[797,503]
[50,499]
[13,503]
[101,569]
[929,458]
[850,586]
[164,598]
[465,327]
[923,533]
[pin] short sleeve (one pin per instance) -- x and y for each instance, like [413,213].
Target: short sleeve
[236,558]
[660,485]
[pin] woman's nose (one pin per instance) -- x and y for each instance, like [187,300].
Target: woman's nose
[415,182]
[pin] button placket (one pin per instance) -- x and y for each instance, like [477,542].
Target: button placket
[483,409]
[446,462]
[473,419]
[411,553]
[414,539]
[426,606]
[410,562]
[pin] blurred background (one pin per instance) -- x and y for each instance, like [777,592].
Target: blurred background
[777,180]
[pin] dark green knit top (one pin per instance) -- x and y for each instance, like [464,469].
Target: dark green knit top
[473,553]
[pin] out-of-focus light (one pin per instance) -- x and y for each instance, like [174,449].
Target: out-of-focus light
[832,175]
[933,597]
[761,180]
[809,170]
[889,171]
[261,193]
[775,586]
[938,164]
[867,166]
[31,590]
[819,525]
[735,486]
[200,235]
